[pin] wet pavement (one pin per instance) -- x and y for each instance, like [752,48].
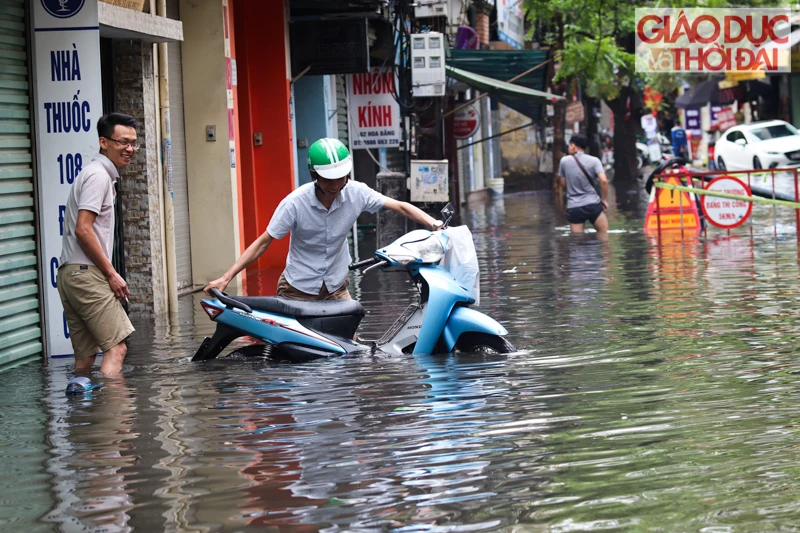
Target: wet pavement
[655,389]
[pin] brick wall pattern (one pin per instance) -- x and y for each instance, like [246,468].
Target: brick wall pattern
[140,182]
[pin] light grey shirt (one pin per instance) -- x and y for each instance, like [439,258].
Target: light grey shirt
[579,191]
[318,244]
[93,190]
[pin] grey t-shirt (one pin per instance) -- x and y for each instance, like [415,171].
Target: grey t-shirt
[579,191]
[93,190]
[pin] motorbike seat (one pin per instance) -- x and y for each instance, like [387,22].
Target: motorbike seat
[301,309]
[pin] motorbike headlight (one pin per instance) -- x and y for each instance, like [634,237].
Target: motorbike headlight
[430,250]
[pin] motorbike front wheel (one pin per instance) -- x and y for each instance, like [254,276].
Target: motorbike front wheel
[473,342]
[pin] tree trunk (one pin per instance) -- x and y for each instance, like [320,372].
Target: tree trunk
[558,135]
[591,126]
[625,172]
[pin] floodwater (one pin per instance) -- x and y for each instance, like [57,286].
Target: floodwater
[655,389]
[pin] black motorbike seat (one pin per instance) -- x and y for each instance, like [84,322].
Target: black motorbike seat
[301,309]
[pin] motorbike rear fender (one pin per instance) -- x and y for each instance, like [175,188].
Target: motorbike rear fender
[272,328]
[463,320]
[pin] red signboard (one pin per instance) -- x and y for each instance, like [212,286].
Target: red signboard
[726,118]
[466,122]
[725,212]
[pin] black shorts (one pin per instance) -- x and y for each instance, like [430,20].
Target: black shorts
[579,215]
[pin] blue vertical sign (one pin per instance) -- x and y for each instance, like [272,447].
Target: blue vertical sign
[68,104]
[511,23]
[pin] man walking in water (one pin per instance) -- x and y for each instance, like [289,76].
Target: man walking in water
[578,172]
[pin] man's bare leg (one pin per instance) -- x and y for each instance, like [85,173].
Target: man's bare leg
[85,364]
[601,224]
[112,360]
[576,228]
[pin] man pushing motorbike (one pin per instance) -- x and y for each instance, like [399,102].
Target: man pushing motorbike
[318,216]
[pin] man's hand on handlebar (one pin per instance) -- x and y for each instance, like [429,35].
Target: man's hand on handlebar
[219,284]
[437,224]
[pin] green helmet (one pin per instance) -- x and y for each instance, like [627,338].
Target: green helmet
[329,158]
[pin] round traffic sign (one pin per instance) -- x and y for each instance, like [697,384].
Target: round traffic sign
[466,122]
[725,212]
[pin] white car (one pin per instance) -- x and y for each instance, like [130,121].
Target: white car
[767,144]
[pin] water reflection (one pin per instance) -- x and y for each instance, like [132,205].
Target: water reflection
[94,436]
[655,389]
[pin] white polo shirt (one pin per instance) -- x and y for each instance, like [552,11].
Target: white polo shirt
[318,249]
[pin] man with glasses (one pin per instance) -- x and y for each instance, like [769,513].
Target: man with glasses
[88,284]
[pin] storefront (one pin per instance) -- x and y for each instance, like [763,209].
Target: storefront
[20,328]
[54,86]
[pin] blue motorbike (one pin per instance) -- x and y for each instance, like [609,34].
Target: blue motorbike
[441,321]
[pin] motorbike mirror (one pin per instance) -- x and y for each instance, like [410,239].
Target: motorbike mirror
[447,214]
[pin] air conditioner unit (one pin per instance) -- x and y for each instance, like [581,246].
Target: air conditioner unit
[427,64]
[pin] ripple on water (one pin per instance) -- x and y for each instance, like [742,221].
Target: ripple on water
[655,389]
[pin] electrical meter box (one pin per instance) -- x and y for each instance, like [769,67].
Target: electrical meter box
[428,181]
[430,8]
[427,64]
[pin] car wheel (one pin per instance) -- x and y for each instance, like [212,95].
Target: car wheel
[756,163]
[721,164]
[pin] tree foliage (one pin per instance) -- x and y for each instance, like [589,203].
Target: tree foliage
[596,37]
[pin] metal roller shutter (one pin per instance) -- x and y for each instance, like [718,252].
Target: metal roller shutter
[180,184]
[341,110]
[395,159]
[20,332]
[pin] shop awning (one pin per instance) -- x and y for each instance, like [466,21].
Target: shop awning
[487,70]
[514,96]
[710,92]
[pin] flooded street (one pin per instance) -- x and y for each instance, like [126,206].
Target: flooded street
[655,388]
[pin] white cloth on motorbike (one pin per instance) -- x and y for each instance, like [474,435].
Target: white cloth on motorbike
[461,261]
[318,249]
[649,125]
[655,152]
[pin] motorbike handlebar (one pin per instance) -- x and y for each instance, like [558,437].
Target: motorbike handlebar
[230,302]
[660,168]
[365,262]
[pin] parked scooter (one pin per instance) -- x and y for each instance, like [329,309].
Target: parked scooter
[646,156]
[442,321]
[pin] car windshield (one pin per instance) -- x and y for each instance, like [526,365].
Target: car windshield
[773,132]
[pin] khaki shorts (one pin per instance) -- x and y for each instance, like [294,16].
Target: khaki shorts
[94,315]
[287,291]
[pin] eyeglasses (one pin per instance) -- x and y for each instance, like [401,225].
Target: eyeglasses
[125,144]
